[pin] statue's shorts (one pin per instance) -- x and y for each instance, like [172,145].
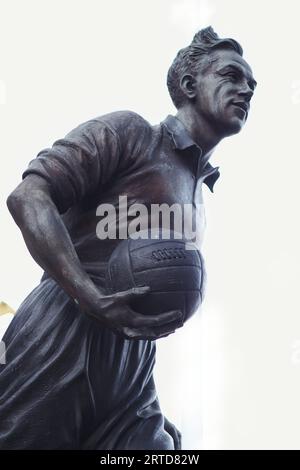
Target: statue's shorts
[70,383]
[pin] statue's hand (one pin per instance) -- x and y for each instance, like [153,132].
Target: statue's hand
[114,312]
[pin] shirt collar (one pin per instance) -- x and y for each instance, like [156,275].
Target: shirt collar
[182,140]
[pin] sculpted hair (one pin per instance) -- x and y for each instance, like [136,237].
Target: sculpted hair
[189,59]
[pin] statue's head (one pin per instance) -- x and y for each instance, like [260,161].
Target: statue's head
[211,77]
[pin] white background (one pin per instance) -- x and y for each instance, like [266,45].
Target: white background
[230,379]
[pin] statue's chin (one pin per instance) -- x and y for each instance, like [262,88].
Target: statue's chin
[235,127]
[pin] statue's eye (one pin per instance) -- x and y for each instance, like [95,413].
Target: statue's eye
[233,75]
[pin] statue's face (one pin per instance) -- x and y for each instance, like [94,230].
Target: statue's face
[223,90]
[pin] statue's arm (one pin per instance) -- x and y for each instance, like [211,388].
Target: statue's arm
[47,238]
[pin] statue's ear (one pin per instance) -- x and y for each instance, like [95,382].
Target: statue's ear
[188,86]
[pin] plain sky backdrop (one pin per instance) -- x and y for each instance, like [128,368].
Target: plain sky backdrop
[231,378]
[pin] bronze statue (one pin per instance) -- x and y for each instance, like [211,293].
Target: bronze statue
[79,371]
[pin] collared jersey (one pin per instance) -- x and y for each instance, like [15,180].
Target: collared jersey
[119,154]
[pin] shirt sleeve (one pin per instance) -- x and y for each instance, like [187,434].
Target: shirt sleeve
[78,164]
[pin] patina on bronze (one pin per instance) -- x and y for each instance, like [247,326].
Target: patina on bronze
[79,371]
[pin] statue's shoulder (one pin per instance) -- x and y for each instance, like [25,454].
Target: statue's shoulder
[126,120]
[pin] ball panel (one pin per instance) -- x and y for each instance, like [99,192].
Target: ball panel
[163,253]
[160,302]
[170,278]
[119,274]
